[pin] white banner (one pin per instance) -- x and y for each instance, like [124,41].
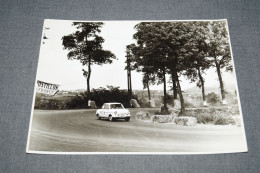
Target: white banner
[47,88]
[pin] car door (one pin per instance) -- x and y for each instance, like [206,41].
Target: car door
[102,111]
[106,110]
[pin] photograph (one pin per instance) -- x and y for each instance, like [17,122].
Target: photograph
[136,87]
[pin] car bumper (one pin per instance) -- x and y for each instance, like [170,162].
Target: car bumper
[121,116]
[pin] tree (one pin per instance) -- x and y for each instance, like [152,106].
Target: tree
[86,46]
[150,51]
[219,50]
[135,63]
[178,42]
[148,79]
[174,86]
[182,48]
[163,46]
[129,57]
[198,62]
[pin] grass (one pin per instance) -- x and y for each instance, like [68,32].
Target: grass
[216,116]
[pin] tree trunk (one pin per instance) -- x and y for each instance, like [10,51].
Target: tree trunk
[202,85]
[174,87]
[174,90]
[220,81]
[88,77]
[182,112]
[130,82]
[148,89]
[128,86]
[165,109]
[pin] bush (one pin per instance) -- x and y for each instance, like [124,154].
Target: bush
[217,116]
[80,100]
[112,94]
[205,118]
[185,121]
[48,102]
[224,120]
[212,98]
[144,103]
[101,96]
[169,99]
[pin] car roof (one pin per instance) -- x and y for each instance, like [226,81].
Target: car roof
[113,103]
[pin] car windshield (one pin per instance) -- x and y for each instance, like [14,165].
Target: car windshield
[116,106]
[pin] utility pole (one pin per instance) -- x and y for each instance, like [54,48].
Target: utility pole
[129,81]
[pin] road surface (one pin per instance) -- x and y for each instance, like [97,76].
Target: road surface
[80,131]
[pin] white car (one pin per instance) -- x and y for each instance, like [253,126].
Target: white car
[113,111]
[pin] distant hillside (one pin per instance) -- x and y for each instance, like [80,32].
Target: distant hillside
[216,89]
[229,87]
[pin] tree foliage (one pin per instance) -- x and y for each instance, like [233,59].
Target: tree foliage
[85,45]
[150,75]
[198,62]
[219,50]
[100,96]
[181,48]
[165,47]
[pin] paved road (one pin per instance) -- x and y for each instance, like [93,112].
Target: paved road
[80,131]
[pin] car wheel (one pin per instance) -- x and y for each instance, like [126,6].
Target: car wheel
[98,117]
[127,119]
[110,118]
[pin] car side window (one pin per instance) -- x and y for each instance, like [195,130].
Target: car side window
[106,106]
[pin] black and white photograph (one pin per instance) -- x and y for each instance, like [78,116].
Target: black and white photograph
[136,87]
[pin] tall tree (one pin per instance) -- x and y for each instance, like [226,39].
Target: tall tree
[178,43]
[174,86]
[219,50]
[129,67]
[149,78]
[85,45]
[146,84]
[135,63]
[150,50]
[163,46]
[198,62]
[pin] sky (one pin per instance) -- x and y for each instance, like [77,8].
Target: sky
[54,67]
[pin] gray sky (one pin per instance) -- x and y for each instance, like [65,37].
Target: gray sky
[54,67]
